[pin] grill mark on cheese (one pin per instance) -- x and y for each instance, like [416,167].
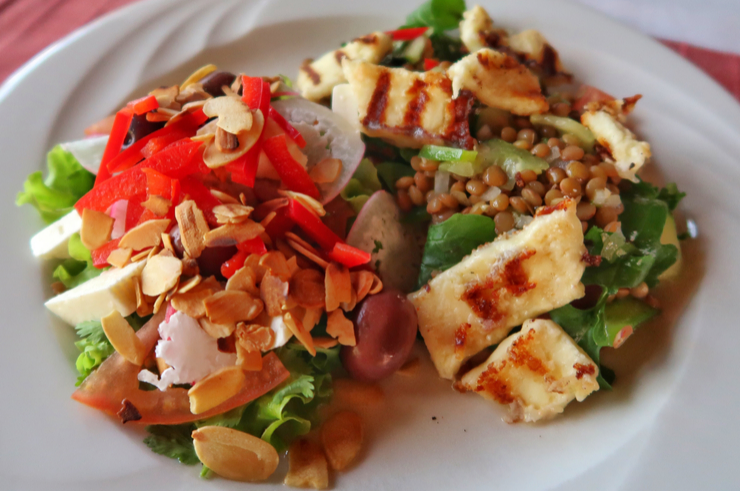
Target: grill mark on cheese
[461,335]
[582,370]
[415,108]
[483,297]
[339,55]
[521,354]
[490,382]
[378,102]
[312,74]
[547,210]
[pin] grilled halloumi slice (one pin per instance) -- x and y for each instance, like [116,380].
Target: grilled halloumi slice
[535,372]
[516,277]
[477,31]
[317,79]
[604,119]
[498,80]
[533,46]
[411,109]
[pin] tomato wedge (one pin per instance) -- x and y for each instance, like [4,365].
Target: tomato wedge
[116,380]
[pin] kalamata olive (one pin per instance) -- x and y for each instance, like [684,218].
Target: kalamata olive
[213,82]
[210,260]
[140,128]
[385,331]
[177,240]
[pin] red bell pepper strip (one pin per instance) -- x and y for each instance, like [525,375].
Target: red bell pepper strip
[196,191]
[115,142]
[134,210]
[256,93]
[293,175]
[116,380]
[100,255]
[157,184]
[289,130]
[407,34]
[178,160]
[279,225]
[253,246]
[312,225]
[228,268]
[429,64]
[175,192]
[244,169]
[348,255]
[159,143]
[144,105]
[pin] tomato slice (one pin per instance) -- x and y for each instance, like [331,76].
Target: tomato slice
[116,380]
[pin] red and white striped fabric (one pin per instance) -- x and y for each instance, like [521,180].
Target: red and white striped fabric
[28,26]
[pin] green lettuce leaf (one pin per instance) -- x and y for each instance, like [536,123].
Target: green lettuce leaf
[363,184]
[79,268]
[450,241]
[441,15]
[67,181]
[173,441]
[628,311]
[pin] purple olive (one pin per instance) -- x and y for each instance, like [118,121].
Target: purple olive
[385,331]
[210,260]
[213,82]
[138,129]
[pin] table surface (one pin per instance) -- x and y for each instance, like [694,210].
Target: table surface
[28,26]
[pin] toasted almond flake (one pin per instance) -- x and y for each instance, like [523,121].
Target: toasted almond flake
[275,86]
[205,137]
[193,227]
[145,235]
[158,116]
[215,389]
[157,205]
[307,288]
[165,95]
[234,116]
[119,257]
[229,307]
[235,455]
[274,293]
[338,285]
[270,217]
[236,86]
[410,367]
[243,199]
[160,274]
[250,361]
[341,437]
[307,201]
[189,284]
[244,280]
[254,337]
[267,207]
[198,75]
[324,342]
[189,265]
[350,306]
[216,330]
[173,291]
[267,240]
[161,364]
[292,263]
[341,328]
[307,466]
[311,318]
[377,285]
[295,238]
[167,243]
[310,254]
[96,228]
[291,304]
[232,213]
[214,158]
[141,255]
[326,171]
[192,99]
[191,303]
[362,282]
[274,261]
[223,197]
[153,252]
[283,247]
[233,233]
[354,393]
[253,262]
[123,338]
[159,302]
[143,307]
[299,332]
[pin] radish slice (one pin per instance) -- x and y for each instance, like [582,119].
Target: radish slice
[117,212]
[327,135]
[396,247]
[88,151]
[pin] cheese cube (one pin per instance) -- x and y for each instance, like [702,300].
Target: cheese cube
[535,372]
[51,242]
[112,290]
[475,28]
[516,277]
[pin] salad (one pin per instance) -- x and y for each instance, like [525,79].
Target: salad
[237,253]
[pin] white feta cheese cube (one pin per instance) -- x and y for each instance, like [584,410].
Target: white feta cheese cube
[51,242]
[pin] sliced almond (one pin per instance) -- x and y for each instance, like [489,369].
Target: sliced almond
[296,327]
[267,207]
[96,228]
[189,265]
[189,284]
[341,437]
[377,286]
[354,393]
[160,274]
[123,338]
[235,455]
[362,282]
[307,201]
[254,337]
[274,293]
[158,303]
[338,284]
[198,75]
[233,233]
[245,279]
[234,116]
[293,267]
[191,303]
[141,255]
[229,307]
[274,261]
[161,364]
[173,291]
[167,243]
[217,330]
[350,306]
[307,466]
[311,318]
[157,205]
[307,288]
[166,95]
[215,158]
[253,263]
[308,252]
[250,361]
[153,252]
[142,306]
[232,213]
[326,171]
[216,389]
[341,328]
[324,342]
[145,235]
[119,257]
[224,198]
[193,227]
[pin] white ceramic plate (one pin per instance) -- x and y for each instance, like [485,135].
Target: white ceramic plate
[669,424]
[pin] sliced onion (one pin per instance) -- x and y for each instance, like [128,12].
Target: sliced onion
[327,135]
[88,151]
[117,212]
[490,194]
[441,182]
